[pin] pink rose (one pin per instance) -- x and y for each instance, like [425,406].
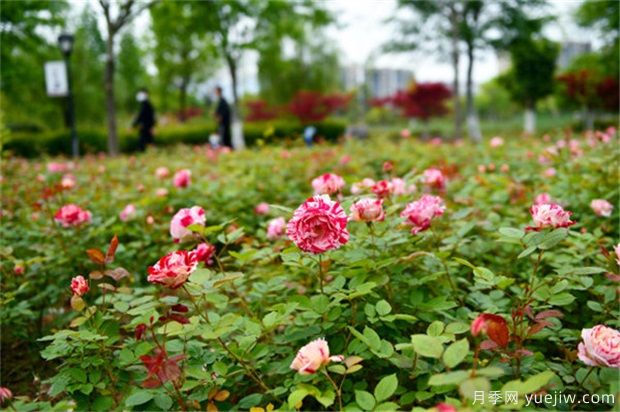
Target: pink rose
[600,347]
[496,141]
[433,177]
[275,228]
[504,168]
[345,159]
[19,269]
[602,207]
[128,213]
[204,253]
[399,187]
[436,141]
[617,250]
[388,166]
[327,184]
[161,192]
[382,188]
[420,213]
[312,356]
[72,215]
[543,199]
[162,172]
[182,178]
[173,269]
[184,218]
[405,133]
[55,167]
[318,225]
[79,286]
[261,208]
[68,181]
[494,326]
[549,216]
[445,407]
[367,210]
[5,393]
[550,172]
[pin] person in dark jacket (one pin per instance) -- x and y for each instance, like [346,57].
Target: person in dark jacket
[145,120]
[222,114]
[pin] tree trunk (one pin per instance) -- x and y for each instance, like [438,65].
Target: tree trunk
[232,69]
[529,125]
[454,22]
[109,95]
[183,99]
[588,118]
[473,126]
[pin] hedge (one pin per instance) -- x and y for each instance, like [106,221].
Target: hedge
[58,142]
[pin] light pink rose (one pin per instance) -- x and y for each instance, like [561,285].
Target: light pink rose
[482,169]
[182,178]
[204,253]
[128,213]
[405,133]
[367,210]
[549,216]
[550,172]
[261,208]
[602,207]
[184,218]
[72,215]
[161,192]
[275,228]
[365,184]
[436,141]
[600,347]
[68,181]
[399,187]
[173,269]
[318,225]
[345,159]
[327,184]
[496,141]
[56,167]
[420,213]
[79,286]
[433,177]
[312,356]
[162,172]
[5,394]
[543,199]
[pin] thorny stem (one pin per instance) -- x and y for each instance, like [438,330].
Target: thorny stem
[336,387]
[250,371]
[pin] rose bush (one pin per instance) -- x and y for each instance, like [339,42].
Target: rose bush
[430,278]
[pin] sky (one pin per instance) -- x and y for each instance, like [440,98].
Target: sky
[362,30]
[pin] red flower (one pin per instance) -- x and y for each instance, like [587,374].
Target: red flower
[173,269]
[161,368]
[494,326]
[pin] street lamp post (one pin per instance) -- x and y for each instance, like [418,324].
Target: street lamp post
[65,43]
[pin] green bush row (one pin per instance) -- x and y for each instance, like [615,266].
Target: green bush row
[58,142]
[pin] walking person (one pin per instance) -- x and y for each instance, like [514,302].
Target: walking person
[145,120]
[222,115]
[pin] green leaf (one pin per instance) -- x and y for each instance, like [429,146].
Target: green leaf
[374,341]
[455,353]
[296,397]
[386,387]
[383,308]
[561,299]
[435,328]
[469,387]
[365,400]
[138,398]
[553,238]
[326,398]
[450,378]
[527,252]
[163,401]
[588,270]
[511,232]
[428,346]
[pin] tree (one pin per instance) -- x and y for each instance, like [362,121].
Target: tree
[603,16]
[184,52]
[117,15]
[131,70]
[423,101]
[312,107]
[531,76]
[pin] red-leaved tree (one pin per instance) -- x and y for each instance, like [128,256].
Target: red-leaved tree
[259,110]
[423,100]
[312,107]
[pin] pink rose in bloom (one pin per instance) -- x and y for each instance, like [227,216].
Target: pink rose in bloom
[129,212]
[184,218]
[405,133]
[602,207]
[318,225]
[420,213]
[150,220]
[445,407]
[261,208]
[365,184]
[55,167]
[436,141]
[275,228]
[399,187]
[382,188]
[549,216]
[5,394]
[368,210]
[388,166]
[496,142]
[173,269]
[543,199]
[204,253]
[79,286]
[68,181]
[182,178]
[327,184]
[312,356]
[345,159]
[550,172]
[72,215]
[600,347]
[162,172]
[433,177]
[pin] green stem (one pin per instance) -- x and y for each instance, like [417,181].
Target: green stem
[336,387]
[320,274]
